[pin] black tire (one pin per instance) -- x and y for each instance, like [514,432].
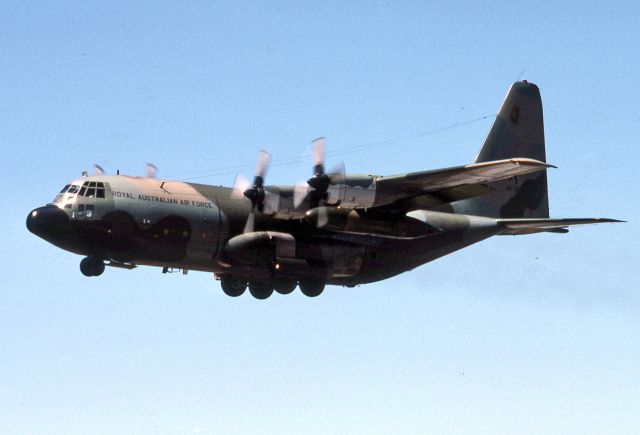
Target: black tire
[284,287]
[260,290]
[311,287]
[99,264]
[90,266]
[233,287]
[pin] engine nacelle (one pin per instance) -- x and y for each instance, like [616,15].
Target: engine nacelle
[260,248]
[266,255]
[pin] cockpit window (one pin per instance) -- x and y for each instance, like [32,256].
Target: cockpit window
[73,189]
[91,189]
[64,189]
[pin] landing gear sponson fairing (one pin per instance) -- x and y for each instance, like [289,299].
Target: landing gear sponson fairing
[335,229]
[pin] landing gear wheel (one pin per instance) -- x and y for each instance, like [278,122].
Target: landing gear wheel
[311,287]
[232,287]
[284,287]
[90,266]
[260,290]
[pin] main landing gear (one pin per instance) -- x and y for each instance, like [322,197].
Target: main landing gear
[235,287]
[232,287]
[91,266]
[261,290]
[311,287]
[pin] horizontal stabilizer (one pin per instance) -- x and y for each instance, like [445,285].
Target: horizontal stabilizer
[529,226]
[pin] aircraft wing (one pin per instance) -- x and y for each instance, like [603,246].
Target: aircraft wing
[529,226]
[391,189]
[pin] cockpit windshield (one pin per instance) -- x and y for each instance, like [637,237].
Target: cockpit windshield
[68,189]
[88,189]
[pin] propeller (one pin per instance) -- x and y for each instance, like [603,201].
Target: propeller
[151,171]
[316,188]
[240,184]
[254,192]
[97,170]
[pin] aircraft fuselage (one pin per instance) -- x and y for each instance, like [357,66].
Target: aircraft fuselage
[131,221]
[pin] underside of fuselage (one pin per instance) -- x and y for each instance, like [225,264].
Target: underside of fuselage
[335,259]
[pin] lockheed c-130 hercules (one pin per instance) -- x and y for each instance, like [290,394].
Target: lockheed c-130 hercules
[334,229]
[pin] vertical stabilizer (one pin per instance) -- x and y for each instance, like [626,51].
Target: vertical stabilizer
[518,131]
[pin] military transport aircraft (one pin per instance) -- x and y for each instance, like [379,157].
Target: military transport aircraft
[334,229]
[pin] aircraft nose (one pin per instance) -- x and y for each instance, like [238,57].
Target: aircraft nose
[46,220]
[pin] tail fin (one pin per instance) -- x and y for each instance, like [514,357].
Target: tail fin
[518,131]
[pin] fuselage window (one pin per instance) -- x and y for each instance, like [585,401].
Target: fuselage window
[88,211]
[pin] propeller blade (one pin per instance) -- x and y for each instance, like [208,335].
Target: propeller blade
[97,170]
[271,202]
[263,162]
[151,171]
[240,184]
[300,192]
[323,216]
[248,227]
[317,147]
[337,173]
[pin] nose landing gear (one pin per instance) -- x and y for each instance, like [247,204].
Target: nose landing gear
[91,266]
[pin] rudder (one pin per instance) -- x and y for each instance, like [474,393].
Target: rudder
[518,131]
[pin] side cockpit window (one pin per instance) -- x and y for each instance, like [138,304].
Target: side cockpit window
[73,189]
[60,195]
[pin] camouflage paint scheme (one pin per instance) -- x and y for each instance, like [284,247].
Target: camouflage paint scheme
[369,228]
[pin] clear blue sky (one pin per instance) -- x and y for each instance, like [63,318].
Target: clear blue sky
[534,334]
